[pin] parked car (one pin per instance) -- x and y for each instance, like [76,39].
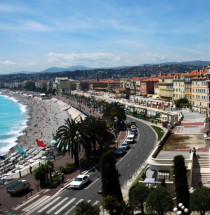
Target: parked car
[120,151]
[18,186]
[80,181]
[125,145]
[130,138]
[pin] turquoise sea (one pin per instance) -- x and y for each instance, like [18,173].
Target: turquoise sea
[13,119]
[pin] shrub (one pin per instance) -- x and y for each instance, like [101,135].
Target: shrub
[68,168]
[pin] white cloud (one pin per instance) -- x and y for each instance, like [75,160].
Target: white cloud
[13,63]
[34,26]
[7,63]
[103,59]
[25,26]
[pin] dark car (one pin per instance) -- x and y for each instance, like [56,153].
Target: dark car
[124,146]
[120,151]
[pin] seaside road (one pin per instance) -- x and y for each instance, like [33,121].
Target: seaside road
[64,203]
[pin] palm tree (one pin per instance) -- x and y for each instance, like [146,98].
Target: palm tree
[66,138]
[86,208]
[95,134]
[113,110]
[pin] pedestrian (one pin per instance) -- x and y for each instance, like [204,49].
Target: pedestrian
[20,173]
[200,184]
[62,176]
[30,169]
[194,152]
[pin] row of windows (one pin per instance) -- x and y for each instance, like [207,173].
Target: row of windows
[181,84]
[179,90]
[199,90]
[199,83]
[199,97]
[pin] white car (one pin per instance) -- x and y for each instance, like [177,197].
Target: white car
[80,181]
[130,139]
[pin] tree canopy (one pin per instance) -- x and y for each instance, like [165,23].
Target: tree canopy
[200,200]
[160,201]
[180,180]
[110,176]
[86,208]
[137,196]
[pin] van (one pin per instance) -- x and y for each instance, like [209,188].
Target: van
[18,186]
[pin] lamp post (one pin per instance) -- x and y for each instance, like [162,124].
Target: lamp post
[115,121]
[181,209]
[77,138]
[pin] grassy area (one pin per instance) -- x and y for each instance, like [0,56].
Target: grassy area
[159,131]
[140,177]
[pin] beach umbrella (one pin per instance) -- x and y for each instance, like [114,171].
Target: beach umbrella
[53,141]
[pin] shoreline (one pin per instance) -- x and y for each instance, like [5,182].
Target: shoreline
[43,119]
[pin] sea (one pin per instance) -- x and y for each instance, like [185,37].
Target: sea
[13,120]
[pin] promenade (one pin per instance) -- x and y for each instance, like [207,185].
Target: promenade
[9,203]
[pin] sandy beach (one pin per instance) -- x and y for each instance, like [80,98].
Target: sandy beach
[45,116]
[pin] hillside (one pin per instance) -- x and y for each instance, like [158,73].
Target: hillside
[117,73]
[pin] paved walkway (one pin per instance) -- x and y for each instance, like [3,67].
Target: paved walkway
[193,123]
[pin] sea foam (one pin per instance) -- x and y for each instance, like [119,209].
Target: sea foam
[8,139]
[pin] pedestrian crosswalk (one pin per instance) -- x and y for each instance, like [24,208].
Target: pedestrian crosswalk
[59,205]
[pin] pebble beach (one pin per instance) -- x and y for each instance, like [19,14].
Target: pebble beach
[45,117]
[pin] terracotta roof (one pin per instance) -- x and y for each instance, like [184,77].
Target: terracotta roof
[170,75]
[137,78]
[196,73]
[155,79]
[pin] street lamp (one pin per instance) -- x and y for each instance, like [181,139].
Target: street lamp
[115,121]
[77,138]
[181,209]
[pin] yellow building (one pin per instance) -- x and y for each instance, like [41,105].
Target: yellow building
[165,86]
[199,94]
[188,83]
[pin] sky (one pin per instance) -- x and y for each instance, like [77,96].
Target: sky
[38,34]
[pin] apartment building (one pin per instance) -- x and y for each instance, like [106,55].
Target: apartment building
[199,94]
[179,86]
[98,85]
[65,85]
[147,85]
[129,85]
[165,85]
[138,84]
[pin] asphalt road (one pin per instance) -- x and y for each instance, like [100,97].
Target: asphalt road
[65,202]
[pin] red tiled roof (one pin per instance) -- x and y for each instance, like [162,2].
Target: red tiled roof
[196,73]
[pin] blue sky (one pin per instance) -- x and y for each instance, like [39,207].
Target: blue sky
[37,34]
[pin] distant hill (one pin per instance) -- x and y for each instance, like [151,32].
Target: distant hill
[80,72]
[192,63]
[57,69]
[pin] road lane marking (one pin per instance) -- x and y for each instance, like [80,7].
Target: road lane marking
[72,208]
[33,205]
[63,200]
[91,184]
[46,206]
[20,206]
[66,205]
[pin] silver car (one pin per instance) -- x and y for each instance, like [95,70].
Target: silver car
[80,181]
